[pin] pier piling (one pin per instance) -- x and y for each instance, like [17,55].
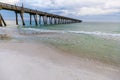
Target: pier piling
[23,22]
[2,21]
[16,18]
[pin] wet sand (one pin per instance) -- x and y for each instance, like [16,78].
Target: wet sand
[30,60]
[37,61]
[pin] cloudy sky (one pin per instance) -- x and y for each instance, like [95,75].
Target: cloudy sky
[87,10]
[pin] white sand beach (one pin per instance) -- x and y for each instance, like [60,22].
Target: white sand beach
[30,61]
[21,60]
[59,40]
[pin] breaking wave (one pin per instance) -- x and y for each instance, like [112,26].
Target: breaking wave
[115,36]
[76,32]
[96,33]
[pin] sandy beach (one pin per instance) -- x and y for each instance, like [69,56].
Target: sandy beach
[31,61]
[59,40]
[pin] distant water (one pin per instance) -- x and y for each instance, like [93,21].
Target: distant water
[94,40]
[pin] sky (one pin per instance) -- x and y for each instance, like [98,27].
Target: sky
[86,10]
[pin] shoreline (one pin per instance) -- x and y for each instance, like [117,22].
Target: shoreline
[32,60]
[22,35]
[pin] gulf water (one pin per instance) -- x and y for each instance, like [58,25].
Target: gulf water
[92,40]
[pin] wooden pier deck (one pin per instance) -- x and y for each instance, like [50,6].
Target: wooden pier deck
[44,17]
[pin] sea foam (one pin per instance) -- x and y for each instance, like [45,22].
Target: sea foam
[15,31]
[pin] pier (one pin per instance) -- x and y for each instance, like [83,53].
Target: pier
[39,16]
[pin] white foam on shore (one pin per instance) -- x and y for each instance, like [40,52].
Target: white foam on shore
[96,33]
[114,36]
[27,61]
[77,32]
[16,31]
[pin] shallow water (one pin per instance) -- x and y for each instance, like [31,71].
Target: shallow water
[93,40]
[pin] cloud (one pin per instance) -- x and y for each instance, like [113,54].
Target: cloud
[10,1]
[73,7]
[78,7]
[96,11]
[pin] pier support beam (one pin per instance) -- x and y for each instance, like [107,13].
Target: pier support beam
[60,20]
[30,19]
[35,18]
[16,14]
[51,20]
[23,22]
[44,20]
[39,19]
[55,21]
[2,21]
[21,14]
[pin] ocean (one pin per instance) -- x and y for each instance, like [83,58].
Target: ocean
[91,40]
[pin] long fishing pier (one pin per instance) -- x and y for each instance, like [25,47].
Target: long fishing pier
[44,17]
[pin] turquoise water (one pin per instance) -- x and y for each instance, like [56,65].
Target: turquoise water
[92,40]
[88,26]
